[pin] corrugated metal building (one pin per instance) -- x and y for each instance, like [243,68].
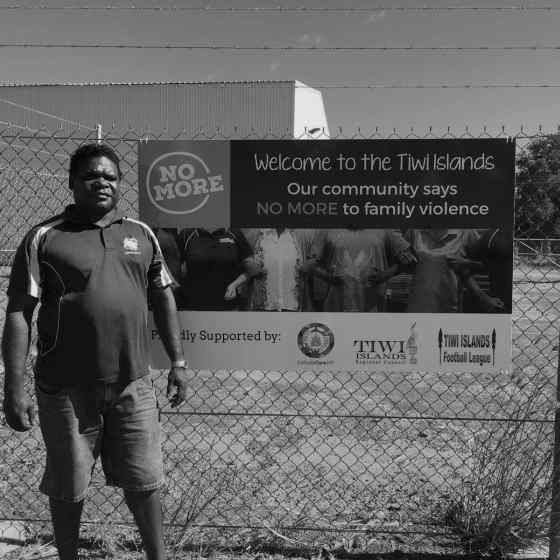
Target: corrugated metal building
[33,162]
[280,108]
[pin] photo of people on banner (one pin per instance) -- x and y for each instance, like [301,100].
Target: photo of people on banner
[284,251]
[432,270]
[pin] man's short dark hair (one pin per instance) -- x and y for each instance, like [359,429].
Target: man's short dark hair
[87,151]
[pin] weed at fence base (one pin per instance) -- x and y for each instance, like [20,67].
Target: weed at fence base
[504,501]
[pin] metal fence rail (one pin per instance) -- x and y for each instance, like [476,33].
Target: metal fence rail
[371,454]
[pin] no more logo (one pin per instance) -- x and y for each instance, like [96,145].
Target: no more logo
[181,183]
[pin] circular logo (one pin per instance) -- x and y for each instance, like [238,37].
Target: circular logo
[315,340]
[181,183]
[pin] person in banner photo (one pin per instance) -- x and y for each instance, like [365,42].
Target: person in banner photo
[356,263]
[490,254]
[215,268]
[436,285]
[283,256]
[92,269]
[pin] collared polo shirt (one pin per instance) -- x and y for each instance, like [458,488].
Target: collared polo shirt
[213,259]
[92,280]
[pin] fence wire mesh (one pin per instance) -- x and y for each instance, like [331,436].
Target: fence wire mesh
[380,456]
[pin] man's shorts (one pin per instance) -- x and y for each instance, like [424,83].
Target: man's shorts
[118,422]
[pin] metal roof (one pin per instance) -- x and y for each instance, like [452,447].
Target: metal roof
[284,108]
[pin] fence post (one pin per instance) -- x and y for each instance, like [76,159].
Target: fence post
[554,532]
[99,128]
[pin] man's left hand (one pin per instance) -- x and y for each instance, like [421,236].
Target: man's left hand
[176,385]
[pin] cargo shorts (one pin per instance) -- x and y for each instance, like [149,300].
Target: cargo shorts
[119,422]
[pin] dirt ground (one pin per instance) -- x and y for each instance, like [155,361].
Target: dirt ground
[375,458]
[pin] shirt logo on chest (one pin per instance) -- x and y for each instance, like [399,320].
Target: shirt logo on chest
[130,246]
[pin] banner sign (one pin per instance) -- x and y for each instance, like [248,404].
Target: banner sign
[327,183]
[389,255]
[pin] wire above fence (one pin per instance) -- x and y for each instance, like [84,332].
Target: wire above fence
[286,9]
[288,48]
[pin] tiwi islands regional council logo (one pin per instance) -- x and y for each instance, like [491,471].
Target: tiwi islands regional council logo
[181,183]
[315,340]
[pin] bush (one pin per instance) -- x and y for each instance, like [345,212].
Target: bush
[504,499]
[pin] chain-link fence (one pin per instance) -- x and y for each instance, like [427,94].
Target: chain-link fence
[373,460]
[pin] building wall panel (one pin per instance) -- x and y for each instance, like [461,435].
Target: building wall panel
[225,109]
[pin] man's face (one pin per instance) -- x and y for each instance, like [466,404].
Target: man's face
[96,186]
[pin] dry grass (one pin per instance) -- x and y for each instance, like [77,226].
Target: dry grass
[209,482]
[504,500]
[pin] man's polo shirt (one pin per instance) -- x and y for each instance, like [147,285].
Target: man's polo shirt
[92,281]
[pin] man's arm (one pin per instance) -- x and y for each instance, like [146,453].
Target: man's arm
[16,339]
[167,324]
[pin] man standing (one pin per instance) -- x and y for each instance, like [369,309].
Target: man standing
[92,270]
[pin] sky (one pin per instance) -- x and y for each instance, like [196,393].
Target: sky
[352,109]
